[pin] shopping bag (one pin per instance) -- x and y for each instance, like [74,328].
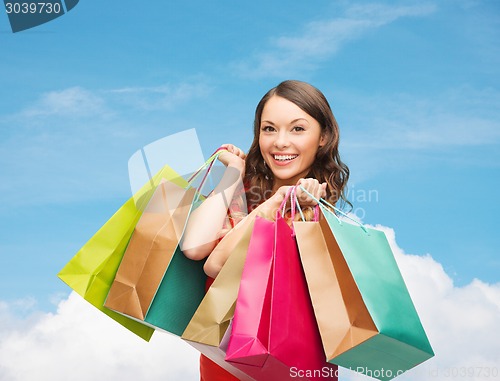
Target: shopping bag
[155,282]
[179,294]
[218,355]
[211,320]
[342,316]
[209,329]
[274,334]
[92,270]
[398,341]
[250,331]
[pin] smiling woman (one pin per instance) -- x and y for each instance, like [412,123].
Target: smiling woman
[296,139]
[289,139]
[295,136]
[295,142]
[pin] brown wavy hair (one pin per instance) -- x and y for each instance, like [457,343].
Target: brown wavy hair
[327,166]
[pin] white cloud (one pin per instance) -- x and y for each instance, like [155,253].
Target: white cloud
[160,97]
[73,101]
[461,322]
[74,143]
[456,117]
[80,343]
[79,102]
[322,39]
[397,131]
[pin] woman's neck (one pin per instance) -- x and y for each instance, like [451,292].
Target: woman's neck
[278,183]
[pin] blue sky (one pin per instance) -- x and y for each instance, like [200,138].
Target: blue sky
[415,87]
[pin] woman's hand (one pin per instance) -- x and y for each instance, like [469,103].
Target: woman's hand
[269,207]
[314,187]
[233,157]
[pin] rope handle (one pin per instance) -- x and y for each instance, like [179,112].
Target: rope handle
[333,210]
[283,203]
[209,163]
[297,205]
[291,195]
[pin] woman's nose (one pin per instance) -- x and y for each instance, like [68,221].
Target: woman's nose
[281,140]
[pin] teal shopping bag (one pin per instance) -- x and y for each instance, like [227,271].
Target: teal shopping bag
[401,342]
[178,296]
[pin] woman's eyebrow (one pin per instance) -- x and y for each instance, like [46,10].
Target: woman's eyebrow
[296,120]
[292,122]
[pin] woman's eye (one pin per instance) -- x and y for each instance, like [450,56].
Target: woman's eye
[268,128]
[298,128]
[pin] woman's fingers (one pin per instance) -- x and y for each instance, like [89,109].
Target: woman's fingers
[231,155]
[234,150]
[323,190]
[313,187]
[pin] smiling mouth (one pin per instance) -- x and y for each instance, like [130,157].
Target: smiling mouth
[284,157]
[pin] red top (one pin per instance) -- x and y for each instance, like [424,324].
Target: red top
[210,371]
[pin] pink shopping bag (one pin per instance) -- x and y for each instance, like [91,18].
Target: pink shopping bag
[274,334]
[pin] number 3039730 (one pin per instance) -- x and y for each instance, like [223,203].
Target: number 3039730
[24,8]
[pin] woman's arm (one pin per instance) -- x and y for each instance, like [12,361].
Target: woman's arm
[217,258]
[267,209]
[206,222]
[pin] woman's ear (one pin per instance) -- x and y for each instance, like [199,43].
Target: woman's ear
[323,139]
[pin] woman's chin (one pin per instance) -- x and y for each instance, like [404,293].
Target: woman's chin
[283,179]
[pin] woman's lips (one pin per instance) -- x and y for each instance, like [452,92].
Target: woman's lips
[283,159]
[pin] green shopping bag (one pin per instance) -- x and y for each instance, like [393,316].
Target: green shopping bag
[155,283]
[401,342]
[92,270]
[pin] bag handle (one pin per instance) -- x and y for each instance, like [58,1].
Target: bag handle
[297,205]
[302,217]
[209,165]
[283,203]
[325,205]
[290,195]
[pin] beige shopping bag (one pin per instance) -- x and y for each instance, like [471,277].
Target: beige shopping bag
[341,314]
[150,250]
[216,310]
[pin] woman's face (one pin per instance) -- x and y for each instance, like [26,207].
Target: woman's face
[289,139]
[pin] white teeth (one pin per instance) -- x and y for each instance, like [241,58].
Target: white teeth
[284,157]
